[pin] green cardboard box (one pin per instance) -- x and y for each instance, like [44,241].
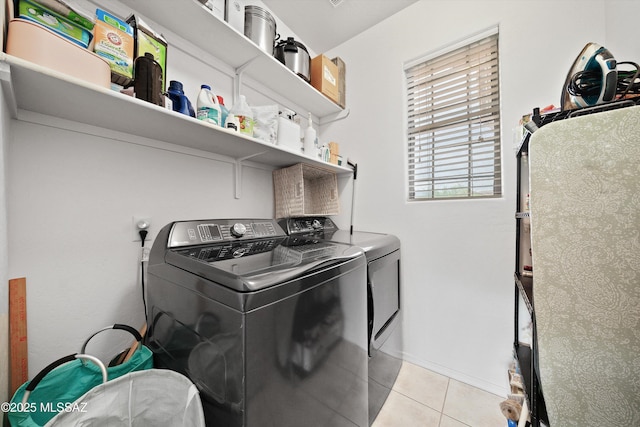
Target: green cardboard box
[35,12]
[148,41]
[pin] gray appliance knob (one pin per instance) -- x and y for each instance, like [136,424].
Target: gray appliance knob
[238,229]
[316,224]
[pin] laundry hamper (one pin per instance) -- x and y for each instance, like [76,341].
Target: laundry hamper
[155,397]
[62,382]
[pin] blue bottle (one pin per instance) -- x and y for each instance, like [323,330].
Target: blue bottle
[179,101]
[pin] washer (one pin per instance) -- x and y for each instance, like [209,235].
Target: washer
[271,328]
[382,252]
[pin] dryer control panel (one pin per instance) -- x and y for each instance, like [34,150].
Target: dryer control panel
[306,225]
[190,233]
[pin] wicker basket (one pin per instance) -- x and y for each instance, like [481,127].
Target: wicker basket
[305,190]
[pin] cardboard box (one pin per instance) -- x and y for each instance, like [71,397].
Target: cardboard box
[68,9]
[342,81]
[334,152]
[325,77]
[113,41]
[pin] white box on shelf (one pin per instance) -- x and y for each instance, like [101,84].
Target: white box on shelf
[235,14]
[289,134]
[218,7]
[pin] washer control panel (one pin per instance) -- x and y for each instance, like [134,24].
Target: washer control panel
[238,229]
[189,233]
[307,225]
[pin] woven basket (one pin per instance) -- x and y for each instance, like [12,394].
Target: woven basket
[305,190]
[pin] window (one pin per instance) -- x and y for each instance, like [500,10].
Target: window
[453,106]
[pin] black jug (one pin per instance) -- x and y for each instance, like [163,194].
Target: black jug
[148,79]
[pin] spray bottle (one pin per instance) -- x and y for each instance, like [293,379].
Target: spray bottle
[310,140]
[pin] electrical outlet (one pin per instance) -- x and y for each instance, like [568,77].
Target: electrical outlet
[141,222]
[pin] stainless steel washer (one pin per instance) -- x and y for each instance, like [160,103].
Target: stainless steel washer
[271,328]
[382,252]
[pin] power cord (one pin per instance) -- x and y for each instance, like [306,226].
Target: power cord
[354,166]
[589,83]
[627,80]
[143,235]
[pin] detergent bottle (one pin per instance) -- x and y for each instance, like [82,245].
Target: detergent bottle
[208,106]
[244,115]
[224,110]
[179,101]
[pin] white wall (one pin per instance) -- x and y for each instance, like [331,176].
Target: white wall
[620,17]
[72,198]
[458,256]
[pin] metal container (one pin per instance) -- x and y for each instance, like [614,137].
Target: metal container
[295,56]
[260,27]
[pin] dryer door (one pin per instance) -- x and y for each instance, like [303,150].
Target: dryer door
[384,287]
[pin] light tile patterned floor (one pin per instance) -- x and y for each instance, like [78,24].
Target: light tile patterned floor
[422,398]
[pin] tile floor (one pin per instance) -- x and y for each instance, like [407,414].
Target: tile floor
[422,398]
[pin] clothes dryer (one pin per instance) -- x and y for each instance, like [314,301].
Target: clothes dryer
[382,252]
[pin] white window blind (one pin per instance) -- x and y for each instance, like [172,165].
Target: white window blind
[453,106]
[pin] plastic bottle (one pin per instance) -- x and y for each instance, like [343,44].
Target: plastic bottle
[232,122]
[224,110]
[208,106]
[310,140]
[179,102]
[148,79]
[244,115]
[326,154]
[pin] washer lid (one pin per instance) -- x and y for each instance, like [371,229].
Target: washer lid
[250,265]
[374,245]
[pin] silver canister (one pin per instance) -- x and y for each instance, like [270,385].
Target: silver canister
[294,55]
[260,27]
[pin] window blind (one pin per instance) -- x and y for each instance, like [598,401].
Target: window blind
[453,128]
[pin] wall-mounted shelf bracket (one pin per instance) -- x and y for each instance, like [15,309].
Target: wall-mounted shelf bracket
[7,88]
[237,169]
[340,115]
[237,80]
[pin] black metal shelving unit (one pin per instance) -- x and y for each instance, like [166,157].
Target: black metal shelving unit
[526,354]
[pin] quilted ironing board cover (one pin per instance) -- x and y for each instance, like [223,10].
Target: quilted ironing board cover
[585,222]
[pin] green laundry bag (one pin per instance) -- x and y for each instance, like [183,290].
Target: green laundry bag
[59,385]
